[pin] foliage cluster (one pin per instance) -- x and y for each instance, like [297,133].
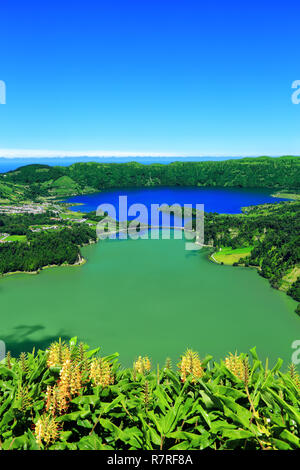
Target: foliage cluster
[68,398]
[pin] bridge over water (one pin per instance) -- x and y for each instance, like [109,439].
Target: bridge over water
[159,227]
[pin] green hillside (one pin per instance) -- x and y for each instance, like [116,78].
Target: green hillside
[62,186]
[10,192]
[79,178]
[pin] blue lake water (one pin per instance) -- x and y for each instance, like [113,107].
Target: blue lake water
[221,200]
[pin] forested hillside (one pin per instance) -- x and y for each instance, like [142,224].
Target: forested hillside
[261,172]
[45,248]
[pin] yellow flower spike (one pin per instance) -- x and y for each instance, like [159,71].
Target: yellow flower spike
[23,362]
[146,394]
[168,364]
[48,398]
[70,383]
[76,380]
[65,378]
[58,353]
[142,365]
[23,398]
[100,373]
[56,402]
[137,365]
[147,364]
[294,375]
[62,402]
[238,366]
[190,364]
[46,430]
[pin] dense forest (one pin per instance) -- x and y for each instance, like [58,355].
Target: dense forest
[45,248]
[19,224]
[262,172]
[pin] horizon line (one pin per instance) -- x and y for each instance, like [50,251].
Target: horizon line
[42,153]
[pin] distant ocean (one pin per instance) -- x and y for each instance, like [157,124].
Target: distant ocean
[9,164]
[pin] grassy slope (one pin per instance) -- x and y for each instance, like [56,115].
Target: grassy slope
[288,195]
[62,186]
[11,192]
[229,256]
[16,238]
[72,215]
[290,278]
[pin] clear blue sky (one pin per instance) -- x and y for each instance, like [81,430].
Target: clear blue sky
[150,76]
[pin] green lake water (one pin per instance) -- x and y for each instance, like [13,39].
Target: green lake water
[148,297]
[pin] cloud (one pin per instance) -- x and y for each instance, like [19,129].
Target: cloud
[42,153]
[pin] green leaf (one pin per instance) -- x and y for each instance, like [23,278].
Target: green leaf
[93,400]
[70,416]
[185,445]
[280,445]
[85,423]
[237,434]
[277,366]
[290,410]
[204,414]
[236,412]
[107,407]
[91,442]
[91,353]
[111,357]
[7,418]
[287,436]
[73,341]
[6,372]
[16,443]
[163,399]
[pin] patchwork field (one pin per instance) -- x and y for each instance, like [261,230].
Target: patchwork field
[229,256]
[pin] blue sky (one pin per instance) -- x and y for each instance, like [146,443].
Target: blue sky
[149,77]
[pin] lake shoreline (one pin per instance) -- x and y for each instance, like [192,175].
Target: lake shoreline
[90,301]
[80,262]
